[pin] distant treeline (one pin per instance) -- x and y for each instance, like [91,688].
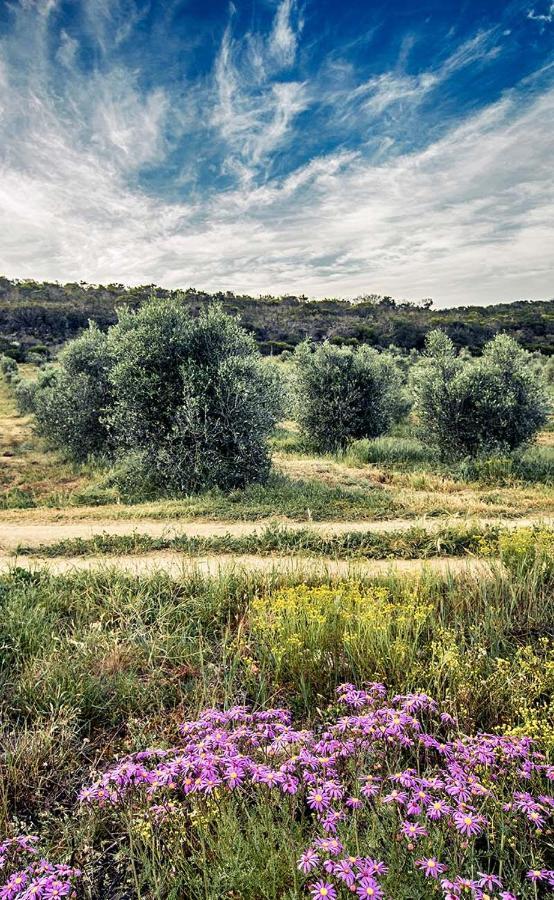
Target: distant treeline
[41,316]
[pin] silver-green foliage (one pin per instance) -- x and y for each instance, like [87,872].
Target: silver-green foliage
[182,403]
[8,368]
[191,398]
[466,407]
[71,399]
[345,394]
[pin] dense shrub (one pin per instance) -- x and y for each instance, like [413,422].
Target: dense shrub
[71,400]
[192,401]
[528,549]
[472,406]
[345,394]
[181,403]
[8,368]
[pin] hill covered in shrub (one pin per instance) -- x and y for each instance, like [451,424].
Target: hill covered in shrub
[41,315]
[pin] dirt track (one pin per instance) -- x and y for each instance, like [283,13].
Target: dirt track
[177,565]
[33,534]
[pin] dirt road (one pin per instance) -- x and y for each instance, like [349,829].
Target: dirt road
[177,565]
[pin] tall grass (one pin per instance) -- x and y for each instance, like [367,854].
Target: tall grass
[533,465]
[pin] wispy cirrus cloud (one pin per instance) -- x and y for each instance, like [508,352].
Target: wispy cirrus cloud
[287,27]
[546,17]
[465,218]
[254,107]
[387,89]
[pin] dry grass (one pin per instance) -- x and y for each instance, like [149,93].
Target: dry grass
[423,493]
[26,465]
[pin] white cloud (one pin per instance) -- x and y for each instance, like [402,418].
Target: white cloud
[547,17]
[253,110]
[382,91]
[283,39]
[67,50]
[467,220]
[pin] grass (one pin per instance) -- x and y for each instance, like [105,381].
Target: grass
[97,665]
[413,543]
[30,473]
[409,454]
[386,478]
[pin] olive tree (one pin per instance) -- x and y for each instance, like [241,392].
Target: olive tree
[191,397]
[343,394]
[70,400]
[9,369]
[467,407]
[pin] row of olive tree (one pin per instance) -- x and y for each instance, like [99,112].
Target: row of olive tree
[187,403]
[464,406]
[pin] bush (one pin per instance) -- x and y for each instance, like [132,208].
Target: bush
[192,401]
[312,637]
[8,368]
[468,406]
[71,401]
[528,550]
[24,392]
[182,403]
[345,394]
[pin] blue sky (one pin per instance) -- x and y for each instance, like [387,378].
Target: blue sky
[278,146]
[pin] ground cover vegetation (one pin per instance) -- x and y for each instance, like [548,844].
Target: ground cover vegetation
[411,543]
[191,738]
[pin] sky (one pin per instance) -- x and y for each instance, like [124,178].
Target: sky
[330,148]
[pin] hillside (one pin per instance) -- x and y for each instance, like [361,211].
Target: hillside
[47,313]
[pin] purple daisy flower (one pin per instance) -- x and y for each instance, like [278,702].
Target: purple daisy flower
[322,890]
[318,800]
[369,888]
[413,831]
[308,860]
[468,823]
[537,874]
[431,867]
[490,882]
